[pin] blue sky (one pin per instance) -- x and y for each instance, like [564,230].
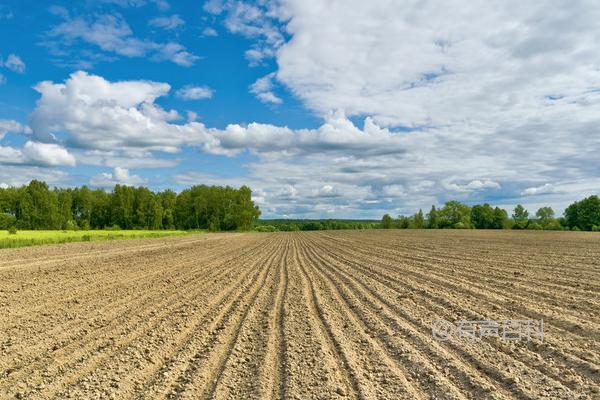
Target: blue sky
[337,109]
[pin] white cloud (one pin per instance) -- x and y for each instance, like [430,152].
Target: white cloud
[214,6]
[175,53]
[37,154]
[191,92]
[394,190]
[48,154]
[125,159]
[253,21]
[209,32]
[10,155]
[103,115]
[162,5]
[169,23]
[9,125]
[14,63]
[370,169]
[478,99]
[119,176]
[263,89]
[12,175]
[112,34]
[544,189]
[473,185]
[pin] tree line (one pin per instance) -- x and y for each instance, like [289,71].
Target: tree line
[36,206]
[290,225]
[582,215]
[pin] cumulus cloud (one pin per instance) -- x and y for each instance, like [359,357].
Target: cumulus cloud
[119,176]
[9,125]
[460,68]
[14,63]
[103,115]
[338,168]
[111,33]
[191,92]
[263,89]
[10,155]
[169,23]
[479,99]
[49,154]
[38,154]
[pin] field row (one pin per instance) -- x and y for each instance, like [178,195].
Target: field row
[319,315]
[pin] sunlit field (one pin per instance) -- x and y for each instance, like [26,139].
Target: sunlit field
[30,238]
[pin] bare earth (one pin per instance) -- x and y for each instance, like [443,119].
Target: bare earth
[300,316]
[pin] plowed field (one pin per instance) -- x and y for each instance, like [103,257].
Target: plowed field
[320,315]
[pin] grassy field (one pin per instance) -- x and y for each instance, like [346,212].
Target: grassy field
[31,238]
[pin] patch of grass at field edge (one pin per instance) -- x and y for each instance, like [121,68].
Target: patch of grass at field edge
[34,238]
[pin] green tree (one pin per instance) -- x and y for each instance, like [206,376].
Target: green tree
[418,220]
[432,219]
[386,221]
[100,211]
[65,204]
[500,218]
[584,214]
[521,217]
[38,207]
[454,213]
[402,222]
[483,216]
[6,221]
[122,207]
[520,214]
[168,199]
[81,206]
[545,213]
[35,206]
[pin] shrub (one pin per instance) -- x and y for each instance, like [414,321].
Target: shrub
[553,225]
[115,227]
[12,230]
[265,228]
[84,225]
[6,220]
[596,228]
[70,225]
[534,226]
[86,238]
[519,225]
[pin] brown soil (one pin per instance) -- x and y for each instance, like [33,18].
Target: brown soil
[320,315]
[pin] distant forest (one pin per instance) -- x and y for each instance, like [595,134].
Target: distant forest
[215,208]
[287,225]
[582,215]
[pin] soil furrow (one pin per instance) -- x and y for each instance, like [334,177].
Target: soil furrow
[300,315]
